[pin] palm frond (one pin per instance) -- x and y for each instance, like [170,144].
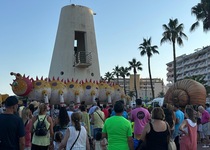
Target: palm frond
[140,68]
[154,51]
[202,13]
[206,25]
[179,41]
[194,26]
[183,35]
[179,28]
[165,27]
[143,52]
[164,39]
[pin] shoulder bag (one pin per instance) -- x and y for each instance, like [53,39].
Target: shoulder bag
[26,123]
[75,140]
[171,143]
[100,116]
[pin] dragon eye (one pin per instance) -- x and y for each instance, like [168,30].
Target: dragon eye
[38,83]
[54,84]
[71,86]
[15,83]
[88,87]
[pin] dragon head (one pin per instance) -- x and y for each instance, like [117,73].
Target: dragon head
[22,85]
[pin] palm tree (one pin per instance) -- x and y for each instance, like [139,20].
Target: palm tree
[102,79]
[123,73]
[116,71]
[135,65]
[161,94]
[202,13]
[173,32]
[147,49]
[131,94]
[108,76]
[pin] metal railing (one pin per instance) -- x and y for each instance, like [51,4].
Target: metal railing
[83,59]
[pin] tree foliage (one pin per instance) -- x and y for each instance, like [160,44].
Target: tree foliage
[173,32]
[202,13]
[146,48]
[135,65]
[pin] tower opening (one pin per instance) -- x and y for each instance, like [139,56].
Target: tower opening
[79,47]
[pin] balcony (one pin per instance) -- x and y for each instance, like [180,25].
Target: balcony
[170,68]
[83,59]
[170,73]
[170,78]
[180,77]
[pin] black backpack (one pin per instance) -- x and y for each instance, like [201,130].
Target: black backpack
[41,129]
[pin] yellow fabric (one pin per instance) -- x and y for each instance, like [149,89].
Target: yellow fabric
[86,120]
[132,125]
[41,140]
[98,122]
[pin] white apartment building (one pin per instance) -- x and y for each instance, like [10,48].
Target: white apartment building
[197,63]
[127,83]
[143,86]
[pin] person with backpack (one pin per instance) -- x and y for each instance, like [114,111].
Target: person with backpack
[42,130]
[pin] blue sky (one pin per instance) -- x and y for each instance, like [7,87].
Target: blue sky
[28,30]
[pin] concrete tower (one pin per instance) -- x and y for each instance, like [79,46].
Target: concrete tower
[75,52]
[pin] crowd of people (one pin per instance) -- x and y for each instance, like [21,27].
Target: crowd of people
[33,126]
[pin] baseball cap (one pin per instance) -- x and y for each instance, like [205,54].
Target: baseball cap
[11,101]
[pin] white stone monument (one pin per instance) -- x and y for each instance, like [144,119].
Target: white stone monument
[75,52]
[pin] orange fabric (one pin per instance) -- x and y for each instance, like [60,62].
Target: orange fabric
[189,141]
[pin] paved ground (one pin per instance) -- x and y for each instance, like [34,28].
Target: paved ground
[200,147]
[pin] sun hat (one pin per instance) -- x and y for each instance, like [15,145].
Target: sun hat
[35,103]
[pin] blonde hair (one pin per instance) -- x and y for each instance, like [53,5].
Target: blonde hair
[42,108]
[26,114]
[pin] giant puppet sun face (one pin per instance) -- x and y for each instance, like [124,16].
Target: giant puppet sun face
[21,87]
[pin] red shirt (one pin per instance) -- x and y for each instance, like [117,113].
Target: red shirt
[28,133]
[106,113]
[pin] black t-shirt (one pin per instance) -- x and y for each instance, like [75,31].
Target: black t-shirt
[11,129]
